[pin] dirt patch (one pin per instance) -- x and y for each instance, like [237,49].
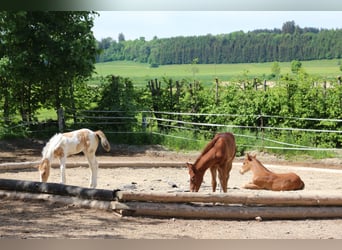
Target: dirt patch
[41,219]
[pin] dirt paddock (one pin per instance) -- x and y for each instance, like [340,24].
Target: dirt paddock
[42,219]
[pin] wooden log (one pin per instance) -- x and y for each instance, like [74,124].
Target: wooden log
[313,198]
[86,203]
[130,164]
[18,165]
[55,188]
[174,210]
[118,164]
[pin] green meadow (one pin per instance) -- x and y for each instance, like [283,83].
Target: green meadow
[140,73]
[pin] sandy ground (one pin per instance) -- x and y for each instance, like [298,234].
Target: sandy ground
[39,219]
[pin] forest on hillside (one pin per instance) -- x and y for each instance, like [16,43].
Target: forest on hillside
[291,42]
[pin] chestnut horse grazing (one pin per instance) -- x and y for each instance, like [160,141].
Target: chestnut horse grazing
[218,155]
[62,145]
[266,179]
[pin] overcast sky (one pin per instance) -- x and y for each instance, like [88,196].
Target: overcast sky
[165,24]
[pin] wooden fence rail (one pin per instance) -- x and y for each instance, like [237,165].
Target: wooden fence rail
[175,210]
[269,198]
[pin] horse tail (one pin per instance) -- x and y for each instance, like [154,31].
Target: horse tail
[104,142]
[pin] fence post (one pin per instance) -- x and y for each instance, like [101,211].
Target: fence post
[265,85]
[216,100]
[325,89]
[144,122]
[261,128]
[60,119]
[255,83]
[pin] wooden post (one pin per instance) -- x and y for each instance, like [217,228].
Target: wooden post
[265,85]
[255,83]
[60,119]
[325,89]
[155,89]
[216,97]
[262,129]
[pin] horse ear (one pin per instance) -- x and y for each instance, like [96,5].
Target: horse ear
[191,168]
[248,157]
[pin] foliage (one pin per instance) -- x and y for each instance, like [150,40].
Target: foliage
[49,54]
[277,113]
[295,66]
[117,100]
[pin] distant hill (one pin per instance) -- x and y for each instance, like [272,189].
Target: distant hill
[289,43]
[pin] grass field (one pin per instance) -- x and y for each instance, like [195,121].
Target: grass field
[206,73]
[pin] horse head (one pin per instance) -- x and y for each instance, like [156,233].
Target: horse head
[247,163]
[195,178]
[44,170]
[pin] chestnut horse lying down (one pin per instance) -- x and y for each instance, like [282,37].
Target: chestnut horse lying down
[266,179]
[218,155]
[62,145]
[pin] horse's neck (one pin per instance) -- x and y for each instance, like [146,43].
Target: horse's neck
[204,162]
[48,157]
[259,168]
[50,147]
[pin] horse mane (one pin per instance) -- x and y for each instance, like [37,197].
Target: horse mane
[52,144]
[207,147]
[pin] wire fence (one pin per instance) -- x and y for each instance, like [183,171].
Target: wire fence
[259,137]
[181,126]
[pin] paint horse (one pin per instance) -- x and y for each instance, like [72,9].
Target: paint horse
[63,145]
[218,156]
[266,179]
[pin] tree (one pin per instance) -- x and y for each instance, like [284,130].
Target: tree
[48,52]
[283,45]
[105,43]
[194,68]
[295,66]
[275,69]
[121,38]
[289,27]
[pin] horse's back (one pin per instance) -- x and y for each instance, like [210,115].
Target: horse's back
[82,140]
[287,182]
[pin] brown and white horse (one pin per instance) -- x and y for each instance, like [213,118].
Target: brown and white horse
[218,155]
[62,145]
[263,178]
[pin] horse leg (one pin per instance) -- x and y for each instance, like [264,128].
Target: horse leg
[227,170]
[93,165]
[213,171]
[251,186]
[223,178]
[62,161]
